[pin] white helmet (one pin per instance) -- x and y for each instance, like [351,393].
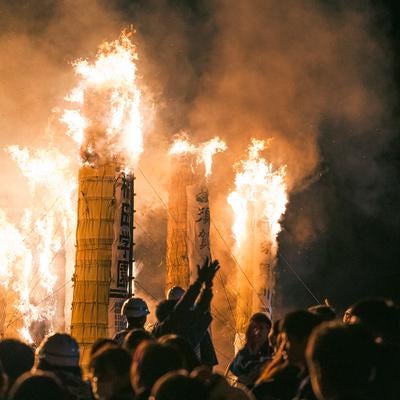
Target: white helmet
[175,293]
[135,307]
[59,350]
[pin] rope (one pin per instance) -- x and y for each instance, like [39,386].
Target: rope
[51,261]
[145,290]
[12,322]
[299,277]
[171,216]
[237,263]
[226,322]
[280,255]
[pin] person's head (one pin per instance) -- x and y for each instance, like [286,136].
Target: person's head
[133,339]
[325,312]
[16,357]
[150,362]
[258,330]
[178,385]
[340,358]
[135,310]
[175,293]
[109,372]
[379,316]
[274,335]
[37,386]
[164,308]
[183,346]
[347,316]
[58,352]
[3,382]
[296,328]
[100,343]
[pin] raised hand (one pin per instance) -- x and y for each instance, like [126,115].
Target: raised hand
[207,271]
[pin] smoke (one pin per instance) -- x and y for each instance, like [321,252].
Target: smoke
[280,70]
[314,76]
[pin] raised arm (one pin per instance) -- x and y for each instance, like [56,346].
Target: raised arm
[205,274]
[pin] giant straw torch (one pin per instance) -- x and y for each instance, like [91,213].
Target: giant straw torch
[258,203]
[188,225]
[105,120]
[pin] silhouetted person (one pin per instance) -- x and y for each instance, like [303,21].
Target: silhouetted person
[205,350]
[135,310]
[282,377]
[110,374]
[59,353]
[150,362]
[380,317]
[218,387]
[347,316]
[38,386]
[182,345]
[190,316]
[341,362]
[100,343]
[325,312]
[274,339]
[16,357]
[178,385]
[3,382]
[134,338]
[252,358]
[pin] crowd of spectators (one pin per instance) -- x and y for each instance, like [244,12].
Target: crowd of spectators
[311,354]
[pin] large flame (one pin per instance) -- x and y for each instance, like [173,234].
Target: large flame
[202,153]
[258,203]
[37,253]
[106,119]
[32,250]
[259,184]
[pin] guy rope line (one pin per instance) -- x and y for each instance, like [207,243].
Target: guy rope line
[217,315]
[166,208]
[280,255]
[298,277]
[51,261]
[233,257]
[237,263]
[38,280]
[43,215]
[40,302]
[221,319]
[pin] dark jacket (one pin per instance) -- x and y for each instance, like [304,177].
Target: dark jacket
[191,320]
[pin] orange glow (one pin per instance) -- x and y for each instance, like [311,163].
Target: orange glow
[203,153]
[107,103]
[258,203]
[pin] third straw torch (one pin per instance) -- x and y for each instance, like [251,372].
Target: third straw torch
[258,202]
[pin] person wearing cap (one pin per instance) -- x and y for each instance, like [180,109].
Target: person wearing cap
[135,310]
[187,313]
[59,354]
[205,349]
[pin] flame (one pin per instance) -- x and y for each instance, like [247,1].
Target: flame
[203,153]
[106,120]
[258,203]
[37,252]
[258,183]
[29,249]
